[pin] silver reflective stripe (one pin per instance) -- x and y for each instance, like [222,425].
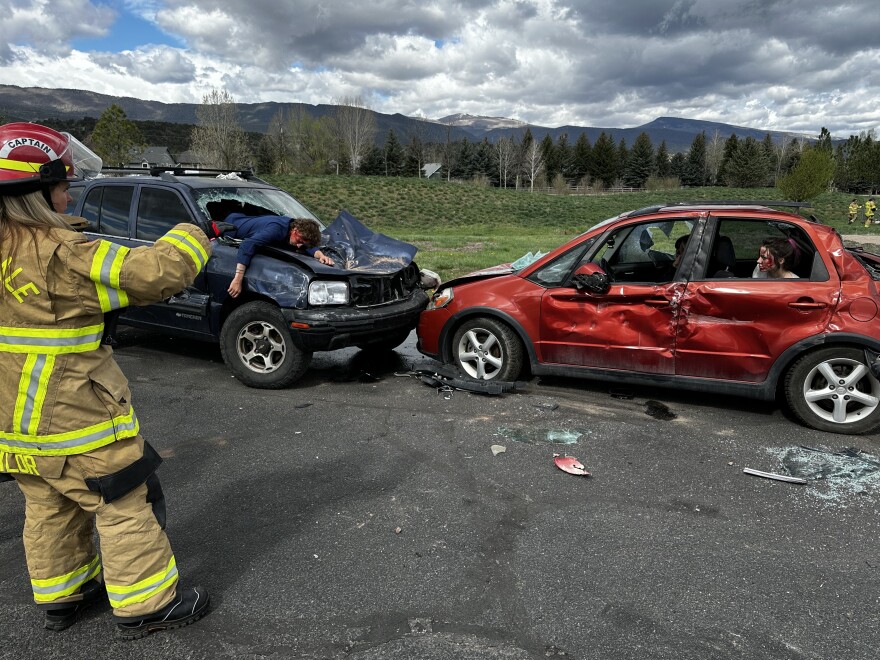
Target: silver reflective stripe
[9,338]
[105,276]
[155,586]
[33,387]
[106,433]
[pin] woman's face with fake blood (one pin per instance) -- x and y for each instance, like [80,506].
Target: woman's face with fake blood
[766,261]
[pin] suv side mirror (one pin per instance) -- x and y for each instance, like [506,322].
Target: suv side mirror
[591,278]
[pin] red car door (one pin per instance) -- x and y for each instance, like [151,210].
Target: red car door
[733,327]
[632,326]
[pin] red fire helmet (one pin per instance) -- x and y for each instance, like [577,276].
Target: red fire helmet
[34,156]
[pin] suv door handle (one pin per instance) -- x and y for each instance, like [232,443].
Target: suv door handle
[807,304]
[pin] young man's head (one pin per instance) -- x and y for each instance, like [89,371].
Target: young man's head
[304,233]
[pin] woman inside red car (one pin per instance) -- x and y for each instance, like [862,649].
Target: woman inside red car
[775,259]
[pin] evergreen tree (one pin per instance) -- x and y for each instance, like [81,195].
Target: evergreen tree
[393,155]
[582,165]
[564,157]
[605,160]
[622,158]
[640,163]
[770,155]
[678,165]
[482,160]
[548,156]
[115,136]
[695,170]
[464,164]
[748,167]
[824,142]
[730,147]
[373,162]
[661,160]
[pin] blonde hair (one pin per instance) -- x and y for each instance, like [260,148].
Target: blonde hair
[24,213]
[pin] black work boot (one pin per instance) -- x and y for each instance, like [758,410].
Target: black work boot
[63,615]
[187,607]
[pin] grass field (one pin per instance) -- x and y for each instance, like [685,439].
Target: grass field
[459,228]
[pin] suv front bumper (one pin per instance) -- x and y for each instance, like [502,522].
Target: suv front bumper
[341,327]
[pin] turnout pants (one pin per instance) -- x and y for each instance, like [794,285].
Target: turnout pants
[61,513]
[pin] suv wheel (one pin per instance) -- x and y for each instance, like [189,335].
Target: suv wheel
[486,349]
[257,347]
[833,390]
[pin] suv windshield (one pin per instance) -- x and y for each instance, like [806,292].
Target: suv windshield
[252,201]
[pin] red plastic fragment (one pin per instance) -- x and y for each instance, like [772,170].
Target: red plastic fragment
[570,464]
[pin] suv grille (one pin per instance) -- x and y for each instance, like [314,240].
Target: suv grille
[371,290]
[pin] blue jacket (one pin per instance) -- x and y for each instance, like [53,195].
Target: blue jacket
[256,231]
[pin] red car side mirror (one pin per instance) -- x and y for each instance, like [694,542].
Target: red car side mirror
[592,278]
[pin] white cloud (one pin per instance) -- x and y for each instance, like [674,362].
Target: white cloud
[772,65]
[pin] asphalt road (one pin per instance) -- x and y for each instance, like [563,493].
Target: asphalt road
[362,515]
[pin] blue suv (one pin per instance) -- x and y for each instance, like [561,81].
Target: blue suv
[267,335]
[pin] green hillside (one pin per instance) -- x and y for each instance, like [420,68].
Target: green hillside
[459,228]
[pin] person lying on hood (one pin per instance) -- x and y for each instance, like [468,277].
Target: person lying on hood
[256,231]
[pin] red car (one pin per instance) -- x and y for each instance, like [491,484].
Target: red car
[618,303]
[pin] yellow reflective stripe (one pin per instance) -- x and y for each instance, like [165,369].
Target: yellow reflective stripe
[21,166]
[105,270]
[184,241]
[72,442]
[65,585]
[51,341]
[147,588]
[32,392]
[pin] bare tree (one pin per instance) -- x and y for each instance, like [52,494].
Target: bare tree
[533,162]
[505,153]
[219,139]
[714,155]
[355,129]
[274,145]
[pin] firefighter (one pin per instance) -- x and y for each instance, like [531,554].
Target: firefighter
[870,207]
[853,210]
[68,433]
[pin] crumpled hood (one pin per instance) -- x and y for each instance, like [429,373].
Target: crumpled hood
[355,248]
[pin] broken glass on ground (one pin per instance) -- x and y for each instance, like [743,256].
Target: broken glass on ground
[833,474]
[533,436]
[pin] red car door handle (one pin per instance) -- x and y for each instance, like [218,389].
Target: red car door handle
[807,304]
[657,302]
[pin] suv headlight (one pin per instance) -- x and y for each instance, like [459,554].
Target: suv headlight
[328,293]
[441,299]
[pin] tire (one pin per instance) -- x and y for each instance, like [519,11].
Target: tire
[257,347]
[849,404]
[486,349]
[388,344]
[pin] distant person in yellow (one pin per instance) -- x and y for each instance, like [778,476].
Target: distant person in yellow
[870,207]
[854,207]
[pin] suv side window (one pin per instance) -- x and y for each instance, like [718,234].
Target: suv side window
[159,210]
[115,207]
[91,209]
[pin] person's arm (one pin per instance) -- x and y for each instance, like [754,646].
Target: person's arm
[108,276]
[235,286]
[323,258]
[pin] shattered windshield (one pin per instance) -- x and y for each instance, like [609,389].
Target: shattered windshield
[217,203]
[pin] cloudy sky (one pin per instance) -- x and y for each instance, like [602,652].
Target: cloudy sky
[792,65]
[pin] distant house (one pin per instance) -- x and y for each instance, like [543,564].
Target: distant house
[431,170]
[189,159]
[151,157]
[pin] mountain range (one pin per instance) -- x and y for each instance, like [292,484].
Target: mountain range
[39,103]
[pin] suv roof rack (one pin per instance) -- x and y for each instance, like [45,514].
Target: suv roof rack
[177,170]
